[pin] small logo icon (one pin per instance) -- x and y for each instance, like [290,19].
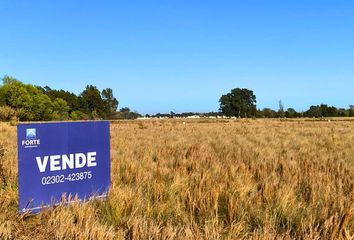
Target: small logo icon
[31,139]
[30,133]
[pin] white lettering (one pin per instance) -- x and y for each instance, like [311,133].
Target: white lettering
[68,161]
[91,159]
[55,163]
[42,165]
[31,142]
[79,156]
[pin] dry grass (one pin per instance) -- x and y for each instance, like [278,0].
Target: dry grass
[249,179]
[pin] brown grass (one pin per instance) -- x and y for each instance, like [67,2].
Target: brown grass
[247,179]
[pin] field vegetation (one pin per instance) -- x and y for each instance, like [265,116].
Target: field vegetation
[204,179]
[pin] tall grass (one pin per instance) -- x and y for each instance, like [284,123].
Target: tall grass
[248,179]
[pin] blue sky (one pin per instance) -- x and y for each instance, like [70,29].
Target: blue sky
[182,55]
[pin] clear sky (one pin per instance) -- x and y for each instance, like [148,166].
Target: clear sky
[182,55]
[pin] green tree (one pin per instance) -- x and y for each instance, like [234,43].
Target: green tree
[314,111]
[78,115]
[322,110]
[74,102]
[239,102]
[41,106]
[110,102]
[125,113]
[268,113]
[27,100]
[14,94]
[351,111]
[92,101]
[8,79]
[60,109]
[30,102]
[291,113]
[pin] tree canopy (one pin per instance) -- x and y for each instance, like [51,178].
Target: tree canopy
[238,103]
[33,103]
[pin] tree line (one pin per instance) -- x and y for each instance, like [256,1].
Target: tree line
[242,103]
[27,102]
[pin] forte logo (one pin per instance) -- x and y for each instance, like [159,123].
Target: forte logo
[31,139]
[30,133]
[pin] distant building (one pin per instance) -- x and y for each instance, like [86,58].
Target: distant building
[143,118]
[194,116]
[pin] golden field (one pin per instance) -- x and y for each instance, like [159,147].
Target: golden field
[205,179]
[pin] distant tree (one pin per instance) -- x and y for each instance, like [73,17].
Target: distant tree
[351,110]
[212,114]
[26,99]
[74,102]
[8,79]
[60,109]
[268,113]
[92,101]
[125,113]
[322,110]
[41,106]
[110,102]
[341,112]
[78,115]
[239,103]
[29,102]
[281,112]
[334,112]
[14,94]
[291,113]
[314,111]
[124,110]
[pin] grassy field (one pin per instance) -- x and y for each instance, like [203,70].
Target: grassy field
[201,179]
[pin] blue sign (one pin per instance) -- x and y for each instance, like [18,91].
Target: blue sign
[71,158]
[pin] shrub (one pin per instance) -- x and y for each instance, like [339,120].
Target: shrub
[77,115]
[7,113]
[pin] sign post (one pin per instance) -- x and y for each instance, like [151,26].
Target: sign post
[71,158]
